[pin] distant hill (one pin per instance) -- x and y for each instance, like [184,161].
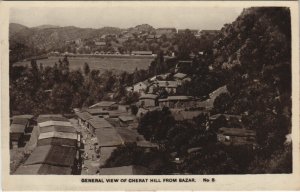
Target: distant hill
[46,26]
[15,28]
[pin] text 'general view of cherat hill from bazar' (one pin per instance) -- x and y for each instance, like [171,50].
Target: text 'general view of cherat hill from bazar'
[145,100]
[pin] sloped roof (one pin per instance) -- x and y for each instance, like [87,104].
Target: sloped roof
[213,95]
[58,135]
[180,75]
[126,118]
[94,111]
[241,132]
[44,119]
[43,169]
[52,155]
[23,116]
[103,104]
[146,144]
[98,123]
[20,121]
[57,141]
[108,137]
[125,170]
[17,128]
[128,135]
[50,115]
[50,123]
[84,116]
[58,129]
[148,96]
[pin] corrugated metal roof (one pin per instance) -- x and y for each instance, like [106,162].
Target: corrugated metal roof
[98,123]
[17,128]
[58,135]
[128,135]
[125,170]
[52,155]
[126,118]
[20,121]
[50,115]
[23,116]
[43,169]
[57,128]
[57,141]
[44,119]
[84,116]
[50,123]
[108,137]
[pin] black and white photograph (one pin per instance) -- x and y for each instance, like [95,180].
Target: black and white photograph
[142,90]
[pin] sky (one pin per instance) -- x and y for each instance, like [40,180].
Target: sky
[126,15]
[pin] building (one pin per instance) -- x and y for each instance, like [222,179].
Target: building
[97,112]
[177,102]
[98,123]
[148,100]
[141,53]
[236,136]
[139,87]
[19,126]
[127,119]
[169,86]
[100,43]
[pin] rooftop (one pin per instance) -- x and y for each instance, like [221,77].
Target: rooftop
[57,128]
[43,169]
[44,119]
[103,104]
[52,155]
[148,96]
[98,123]
[17,128]
[180,75]
[20,121]
[84,115]
[108,137]
[23,116]
[50,123]
[63,135]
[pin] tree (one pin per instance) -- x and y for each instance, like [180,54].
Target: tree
[86,69]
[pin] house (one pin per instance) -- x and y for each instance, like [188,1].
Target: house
[177,102]
[169,86]
[139,87]
[141,53]
[98,123]
[19,126]
[125,170]
[148,100]
[209,103]
[236,136]
[56,128]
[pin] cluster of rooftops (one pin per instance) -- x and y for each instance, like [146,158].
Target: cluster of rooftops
[56,148]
